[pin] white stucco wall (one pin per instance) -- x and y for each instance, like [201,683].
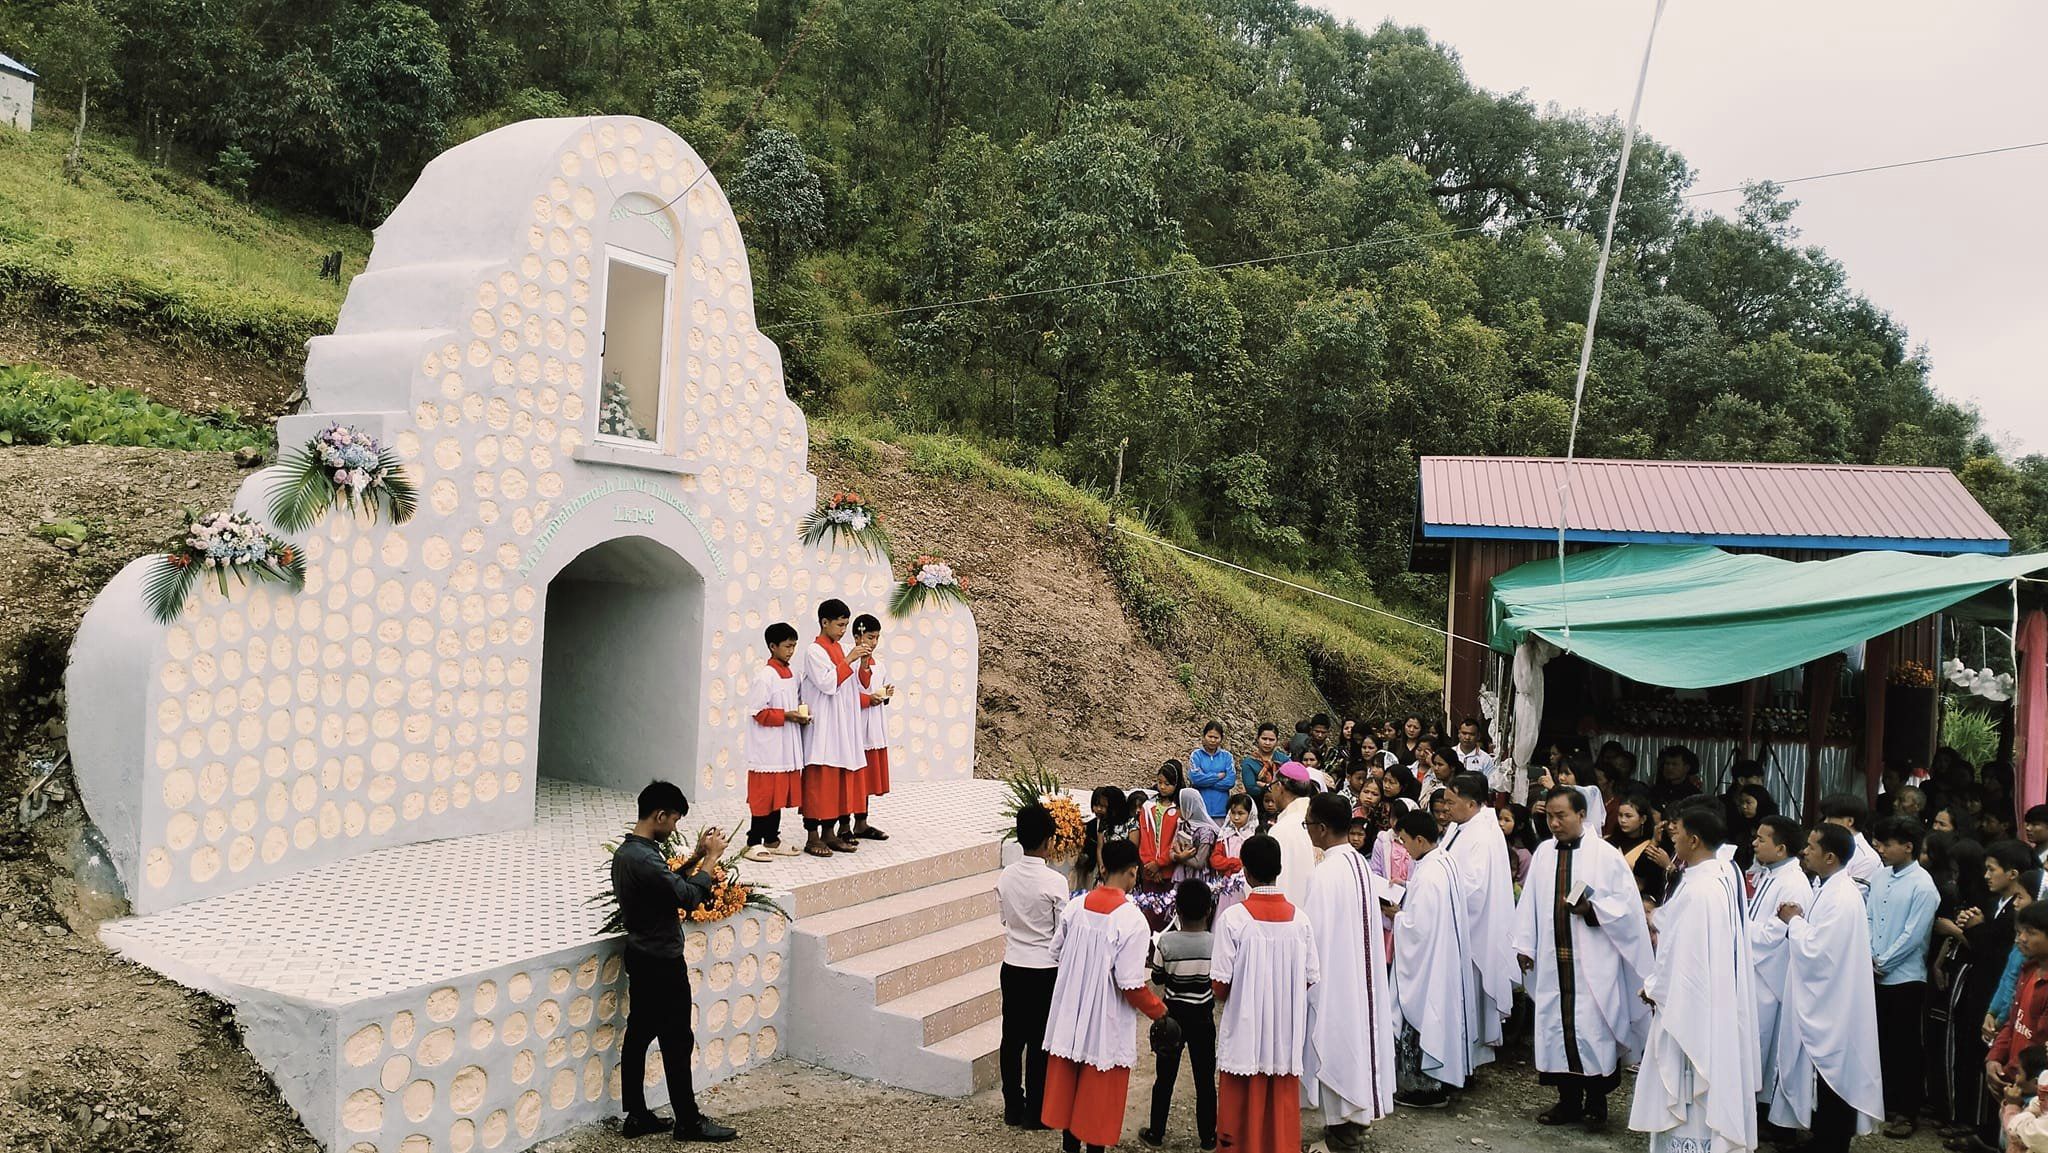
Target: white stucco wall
[397,698]
[17,100]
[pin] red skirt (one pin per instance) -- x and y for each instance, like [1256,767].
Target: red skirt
[1086,1101]
[875,778]
[826,790]
[1258,1114]
[773,792]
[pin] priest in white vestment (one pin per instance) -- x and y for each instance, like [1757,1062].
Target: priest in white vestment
[1584,949]
[1297,852]
[1779,881]
[1828,1074]
[1696,1088]
[1435,985]
[1091,1032]
[1264,970]
[1350,1072]
[1473,841]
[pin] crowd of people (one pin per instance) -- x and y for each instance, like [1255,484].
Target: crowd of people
[1353,918]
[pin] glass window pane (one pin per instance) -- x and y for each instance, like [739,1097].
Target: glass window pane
[635,345]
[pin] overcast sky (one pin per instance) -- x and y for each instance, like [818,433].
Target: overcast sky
[1770,89]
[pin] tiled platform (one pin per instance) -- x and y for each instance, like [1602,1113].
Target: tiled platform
[457,994]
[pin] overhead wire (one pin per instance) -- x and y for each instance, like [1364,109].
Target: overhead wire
[1150,539]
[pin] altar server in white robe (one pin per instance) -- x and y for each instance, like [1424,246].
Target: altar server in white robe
[1091,1033]
[1350,1075]
[1584,949]
[835,749]
[1297,852]
[1828,1074]
[1696,1088]
[1435,985]
[1779,881]
[1476,845]
[1263,971]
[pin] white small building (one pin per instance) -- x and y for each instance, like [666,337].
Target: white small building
[17,93]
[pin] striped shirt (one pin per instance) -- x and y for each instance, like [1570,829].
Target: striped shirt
[1180,963]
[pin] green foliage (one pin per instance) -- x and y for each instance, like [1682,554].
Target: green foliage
[38,406]
[65,529]
[778,197]
[146,249]
[1970,731]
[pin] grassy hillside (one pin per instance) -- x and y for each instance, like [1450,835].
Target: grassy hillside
[147,249]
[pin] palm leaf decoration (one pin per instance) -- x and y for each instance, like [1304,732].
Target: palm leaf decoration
[931,581]
[847,517]
[342,466]
[224,544]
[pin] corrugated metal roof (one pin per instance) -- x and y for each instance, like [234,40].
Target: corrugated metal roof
[1822,506]
[10,64]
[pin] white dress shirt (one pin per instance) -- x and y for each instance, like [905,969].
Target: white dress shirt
[1029,896]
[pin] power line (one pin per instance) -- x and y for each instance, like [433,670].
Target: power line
[1297,587]
[1164,274]
[1873,168]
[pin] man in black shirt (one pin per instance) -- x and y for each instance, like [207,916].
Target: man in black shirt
[652,898]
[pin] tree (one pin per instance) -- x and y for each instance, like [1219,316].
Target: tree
[778,194]
[74,46]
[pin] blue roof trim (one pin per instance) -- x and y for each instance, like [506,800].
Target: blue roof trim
[1610,536]
[10,64]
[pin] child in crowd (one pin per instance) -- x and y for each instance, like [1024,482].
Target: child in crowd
[1226,860]
[2024,1028]
[775,746]
[2022,1099]
[1360,836]
[2026,1131]
[1180,966]
[1514,827]
[1161,847]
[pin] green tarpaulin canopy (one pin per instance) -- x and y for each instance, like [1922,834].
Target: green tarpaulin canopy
[1691,616]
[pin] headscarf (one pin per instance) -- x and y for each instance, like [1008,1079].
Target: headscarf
[1195,812]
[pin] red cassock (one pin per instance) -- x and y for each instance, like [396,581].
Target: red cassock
[1080,1098]
[874,779]
[1259,1114]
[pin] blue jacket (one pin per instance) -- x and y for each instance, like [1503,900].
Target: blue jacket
[1213,774]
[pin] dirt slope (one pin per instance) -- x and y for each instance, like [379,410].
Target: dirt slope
[1067,680]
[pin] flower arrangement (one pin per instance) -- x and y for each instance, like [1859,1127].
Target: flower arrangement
[615,412]
[342,466]
[1039,786]
[930,579]
[1912,675]
[729,895]
[224,544]
[846,516]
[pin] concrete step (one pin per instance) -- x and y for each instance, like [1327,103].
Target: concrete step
[976,1048]
[892,920]
[901,969]
[952,1006]
[887,880]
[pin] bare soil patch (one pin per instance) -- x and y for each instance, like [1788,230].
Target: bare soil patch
[186,375]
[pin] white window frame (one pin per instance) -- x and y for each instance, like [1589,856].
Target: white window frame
[667,270]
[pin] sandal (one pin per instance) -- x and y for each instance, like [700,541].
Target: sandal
[872,833]
[843,846]
[756,853]
[818,850]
